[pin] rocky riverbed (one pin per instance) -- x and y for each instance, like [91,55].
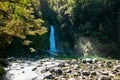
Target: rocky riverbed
[73,69]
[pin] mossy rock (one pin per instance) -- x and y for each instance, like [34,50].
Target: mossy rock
[2,71]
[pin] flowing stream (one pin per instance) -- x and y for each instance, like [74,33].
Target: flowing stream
[29,70]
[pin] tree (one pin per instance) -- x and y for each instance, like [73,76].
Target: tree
[17,20]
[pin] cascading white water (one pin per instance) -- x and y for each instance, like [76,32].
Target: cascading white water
[29,70]
[52,39]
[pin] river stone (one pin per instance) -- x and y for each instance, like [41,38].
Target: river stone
[43,60]
[62,64]
[58,71]
[19,61]
[44,70]
[18,68]
[11,59]
[71,79]
[68,71]
[86,73]
[39,65]
[108,64]
[94,67]
[83,60]
[116,68]
[80,70]
[76,73]
[64,73]
[104,73]
[100,64]
[95,60]
[93,73]
[70,74]
[111,75]
[83,77]
[22,67]
[52,70]
[104,78]
[50,76]
[75,67]
[74,61]
[23,71]
[117,61]
[90,66]
[108,61]
[63,79]
[79,61]
[66,64]
[114,71]
[87,60]
[34,69]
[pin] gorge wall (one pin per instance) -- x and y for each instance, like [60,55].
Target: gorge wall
[85,26]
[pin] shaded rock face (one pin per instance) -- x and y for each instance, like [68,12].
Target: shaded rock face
[3,62]
[52,69]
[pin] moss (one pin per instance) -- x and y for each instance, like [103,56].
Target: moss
[2,71]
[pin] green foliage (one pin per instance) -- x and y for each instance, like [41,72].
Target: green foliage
[2,71]
[35,43]
[17,20]
[88,17]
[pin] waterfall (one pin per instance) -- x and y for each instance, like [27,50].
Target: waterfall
[52,39]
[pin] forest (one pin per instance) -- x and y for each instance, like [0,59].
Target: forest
[82,28]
